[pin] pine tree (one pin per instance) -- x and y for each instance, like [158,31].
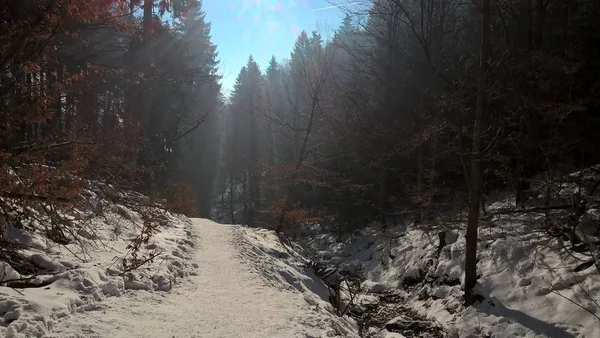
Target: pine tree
[296,86]
[202,99]
[253,86]
[233,151]
[274,103]
[246,110]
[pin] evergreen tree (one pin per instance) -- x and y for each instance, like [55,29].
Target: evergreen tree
[201,88]
[275,105]
[246,145]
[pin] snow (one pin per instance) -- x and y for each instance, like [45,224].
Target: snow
[374,287]
[7,272]
[284,268]
[387,334]
[79,277]
[526,276]
[210,280]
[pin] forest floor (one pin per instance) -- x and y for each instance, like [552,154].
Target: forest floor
[533,281]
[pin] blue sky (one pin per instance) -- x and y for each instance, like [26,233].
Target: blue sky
[263,28]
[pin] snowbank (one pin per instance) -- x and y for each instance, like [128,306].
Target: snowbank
[533,284]
[78,277]
[283,267]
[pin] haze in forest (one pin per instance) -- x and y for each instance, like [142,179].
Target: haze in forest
[308,118]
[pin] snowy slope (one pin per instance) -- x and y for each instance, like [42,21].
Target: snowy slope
[528,279]
[79,277]
[221,290]
[281,266]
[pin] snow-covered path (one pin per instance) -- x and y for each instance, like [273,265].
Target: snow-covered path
[226,299]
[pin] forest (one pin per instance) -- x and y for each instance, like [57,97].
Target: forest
[411,107]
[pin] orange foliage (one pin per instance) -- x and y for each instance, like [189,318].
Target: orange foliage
[181,198]
[289,216]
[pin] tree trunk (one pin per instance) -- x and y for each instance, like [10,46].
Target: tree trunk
[271,158]
[382,195]
[254,184]
[420,150]
[541,9]
[245,197]
[55,125]
[231,210]
[432,172]
[476,177]
[525,47]
[147,21]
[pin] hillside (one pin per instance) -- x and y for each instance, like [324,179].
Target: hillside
[534,281]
